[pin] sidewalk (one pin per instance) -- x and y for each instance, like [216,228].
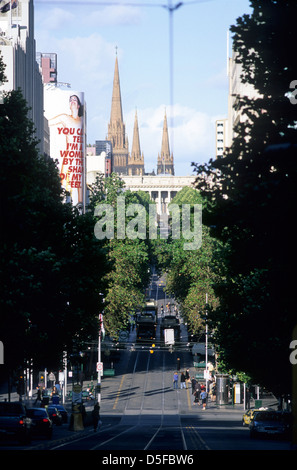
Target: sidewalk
[30,401]
[266,402]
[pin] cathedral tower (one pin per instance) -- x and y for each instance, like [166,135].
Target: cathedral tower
[136,159]
[165,160]
[116,128]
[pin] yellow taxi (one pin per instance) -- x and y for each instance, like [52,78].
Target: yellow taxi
[248,416]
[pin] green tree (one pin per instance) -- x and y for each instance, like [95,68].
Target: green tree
[129,255]
[50,261]
[251,200]
[190,273]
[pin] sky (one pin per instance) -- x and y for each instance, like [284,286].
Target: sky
[172,61]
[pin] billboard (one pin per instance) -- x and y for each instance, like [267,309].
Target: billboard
[65,112]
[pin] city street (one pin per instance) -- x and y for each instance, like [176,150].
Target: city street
[141,411]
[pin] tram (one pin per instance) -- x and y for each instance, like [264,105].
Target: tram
[146,322]
[170,322]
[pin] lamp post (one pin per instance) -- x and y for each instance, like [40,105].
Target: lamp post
[99,366]
[206,345]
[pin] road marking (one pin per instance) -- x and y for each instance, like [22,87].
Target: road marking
[189,399]
[118,393]
[195,434]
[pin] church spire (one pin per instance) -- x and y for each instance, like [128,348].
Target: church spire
[165,160]
[116,114]
[136,159]
[116,128]
[165,139]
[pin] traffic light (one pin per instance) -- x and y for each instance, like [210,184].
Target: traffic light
[21,385]
[152,348]
[41,378]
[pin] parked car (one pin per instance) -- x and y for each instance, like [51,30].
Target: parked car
[14,421]
[41,423]
[270,423]
[55,415]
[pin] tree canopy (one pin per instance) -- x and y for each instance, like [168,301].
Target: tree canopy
[128,249]
[50,261]
[251,200]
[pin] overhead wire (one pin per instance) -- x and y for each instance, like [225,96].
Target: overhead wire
[171,9]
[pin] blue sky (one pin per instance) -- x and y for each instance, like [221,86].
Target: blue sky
[85,34]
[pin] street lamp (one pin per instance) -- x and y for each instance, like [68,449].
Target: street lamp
[206,345]
[99,365]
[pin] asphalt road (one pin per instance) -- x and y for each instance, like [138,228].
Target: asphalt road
[143,416]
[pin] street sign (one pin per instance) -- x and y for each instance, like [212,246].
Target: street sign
[99,367]
[52,377]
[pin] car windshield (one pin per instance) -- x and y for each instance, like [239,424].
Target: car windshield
[267,416]
[36,413]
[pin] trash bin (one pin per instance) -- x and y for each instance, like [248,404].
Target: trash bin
[222,389]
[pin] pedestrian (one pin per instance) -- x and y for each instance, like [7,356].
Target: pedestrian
[96,416]
[175,380]
[38,398]
[182,380]
[197,397]
[213,392]
[188,379]
[203,397]
[198,387]
[248,398]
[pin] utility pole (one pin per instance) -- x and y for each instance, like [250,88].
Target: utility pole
[206,345]
[99,360]
[171,9]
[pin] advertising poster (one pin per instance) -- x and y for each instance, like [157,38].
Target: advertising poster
[64,110]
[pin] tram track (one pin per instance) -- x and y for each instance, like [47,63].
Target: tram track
[149,407]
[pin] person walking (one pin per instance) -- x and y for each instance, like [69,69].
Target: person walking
[193,381]
[203,397]
[175,380]
[182,380]
[188,379]
[96,416]
[197,393]
[38,398]
[196,397]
